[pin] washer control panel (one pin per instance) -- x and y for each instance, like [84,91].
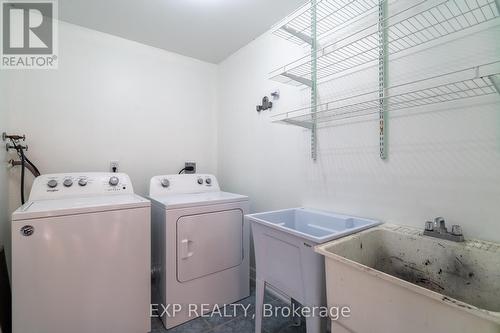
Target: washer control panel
[55,186]
[184,183]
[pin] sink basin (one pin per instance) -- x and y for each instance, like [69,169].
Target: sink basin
[285,259]
[405,277]
[314,225]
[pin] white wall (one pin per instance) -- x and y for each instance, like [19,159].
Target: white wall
[4,211]
[114,99]
[443,160]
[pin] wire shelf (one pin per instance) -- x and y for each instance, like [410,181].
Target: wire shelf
[362,47]
[331,14]
[404,96]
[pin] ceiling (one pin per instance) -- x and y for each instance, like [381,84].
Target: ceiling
[208,30]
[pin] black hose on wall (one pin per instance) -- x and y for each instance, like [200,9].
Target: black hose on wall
[24,163]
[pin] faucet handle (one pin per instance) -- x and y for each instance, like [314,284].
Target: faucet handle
[429,226]
[456,230]
[439,221]
[440,224]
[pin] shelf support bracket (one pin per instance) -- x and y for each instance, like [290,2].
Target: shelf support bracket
[497,3]
[300,35]
[382,77]
[314,79]
[298,123]
[299,79]
[494,83]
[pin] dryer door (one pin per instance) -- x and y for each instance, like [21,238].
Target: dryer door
[208,243]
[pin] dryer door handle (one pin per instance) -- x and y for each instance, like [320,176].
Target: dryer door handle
[185,245]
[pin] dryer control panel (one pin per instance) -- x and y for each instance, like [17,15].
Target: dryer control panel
[71,185]
[184,183]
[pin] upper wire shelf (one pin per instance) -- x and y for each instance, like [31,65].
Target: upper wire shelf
[330,15]
[362,47]
[438,89]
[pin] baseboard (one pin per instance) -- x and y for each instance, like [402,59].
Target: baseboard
[5,296]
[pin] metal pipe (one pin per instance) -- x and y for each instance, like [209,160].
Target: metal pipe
[27,166]
[15,137]
[16,147]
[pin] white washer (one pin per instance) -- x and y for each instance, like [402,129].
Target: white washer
[81,256]
[200,245]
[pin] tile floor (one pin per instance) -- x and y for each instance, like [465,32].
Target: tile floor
[238,324]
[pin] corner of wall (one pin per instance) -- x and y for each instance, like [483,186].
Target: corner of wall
[4,185]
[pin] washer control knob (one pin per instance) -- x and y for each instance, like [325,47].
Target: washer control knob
[68,182]
[52,183]
[208,181]
[82,182]
[113,181]
[200,181]
[165,182]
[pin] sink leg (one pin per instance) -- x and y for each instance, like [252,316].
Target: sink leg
[260,287]
[316,325]
[296,320]
[315,297]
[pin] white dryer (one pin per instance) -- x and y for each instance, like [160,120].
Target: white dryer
[200,245]
[81,256]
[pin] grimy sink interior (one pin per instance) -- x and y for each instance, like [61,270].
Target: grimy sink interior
[468,271]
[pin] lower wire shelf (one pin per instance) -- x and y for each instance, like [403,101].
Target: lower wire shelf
[438,89]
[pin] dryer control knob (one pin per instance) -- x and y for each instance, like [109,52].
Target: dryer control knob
[52,183]
[82,182]
[68,182]
[165,182]
[208,181]
[113,181]
[200,181]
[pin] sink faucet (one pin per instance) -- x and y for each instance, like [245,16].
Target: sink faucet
[438,229]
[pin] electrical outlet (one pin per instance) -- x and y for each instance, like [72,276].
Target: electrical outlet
[114,166]
[190,165]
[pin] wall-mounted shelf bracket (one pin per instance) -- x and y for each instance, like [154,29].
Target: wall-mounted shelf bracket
[300,35]
[298,123]
[299,79]
[494,83]
[314,81]
[382,77]
[497,3]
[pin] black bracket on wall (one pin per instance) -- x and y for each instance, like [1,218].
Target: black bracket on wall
[266,104]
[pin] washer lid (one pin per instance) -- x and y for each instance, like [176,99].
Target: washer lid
[71,206]
[197,199]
